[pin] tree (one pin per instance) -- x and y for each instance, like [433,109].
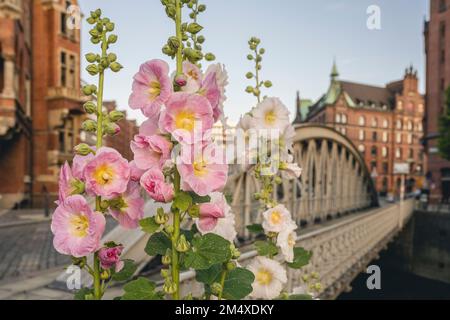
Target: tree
[444,129]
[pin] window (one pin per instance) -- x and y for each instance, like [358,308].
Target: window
[72,77]
[385,169]
[399,105]
[398,138]
[410,125]
[361,148]
[374,136]
[385,123]
[362,121]
[398,153]
[2,72]
[420,107]
[420,127]
[384,152]
[344,131]
[373,151]
[411,154]
[338,118]
[374,122]
[385,136]
[361,135]
[399,124]
[373,166]
[63,69]
[442,6]
[410,139]
[344,118]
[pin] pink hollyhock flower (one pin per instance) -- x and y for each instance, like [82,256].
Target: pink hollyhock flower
[153,182]
[68,184]
[150,151]
[150,126]
[135,172]
[210,90]
[78,164]
[221,79]
[224,225]
[129,208]
[107,174]
[187,116]
[110,257]
[202,171]
[151,87]
[193,76]
[77,229]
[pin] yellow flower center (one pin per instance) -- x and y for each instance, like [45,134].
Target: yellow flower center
[275,217]
[270,117]
[264,277]
[80,225]
[200,168]
[104,174]
[185,120]
[154,90]
[291,240]
[192,74]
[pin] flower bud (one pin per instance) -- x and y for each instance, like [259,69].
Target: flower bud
[182,244]
[99,27]
[171,11]
[77,187]
[231,265]
[249,89]
[194,28]
[249,75]
[104,63]
[278,180]
[82,149]
[267,84]
[92,69]
[112,57]
[210,57]
[181,80]
[161,217]
[95,40]
[112,38]
[164,273]
[173,42]
[169,229]
[235,253]
[168,50]
[194,211]
[80,262]
[91,57]
[201,8]
[105,275]
[94,33]
[249,57]
[89,125]
[98,12]
[90,107]
[318,286]
[315,275]
[115,66]
[166,260]
[109,26]
[90,20]
[262,51]
[305,278]
[116,116]
[111,128]
[200,39]
[169,287]
[216,288]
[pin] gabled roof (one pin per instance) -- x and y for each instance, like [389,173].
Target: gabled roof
[368,95]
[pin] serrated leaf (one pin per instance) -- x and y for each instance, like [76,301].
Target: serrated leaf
[157,244]
[206,251]
[238,284]
[266,248]
[182,201]
[199,199]
[255,228]
[210,275]
[149,225]
[300,297]
[301,258]
[140,289]
[127,271]
[82,293]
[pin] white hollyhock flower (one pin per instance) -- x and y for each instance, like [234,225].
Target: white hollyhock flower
[245,122]
[271,113]
[286,142]
[286,241]
[270,276]
[277,219]
[225,226]
[291,171]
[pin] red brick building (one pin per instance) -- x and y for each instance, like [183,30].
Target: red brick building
[437,47]
[384,123]
[40,97]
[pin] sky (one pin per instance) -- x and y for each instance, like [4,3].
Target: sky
[301,38]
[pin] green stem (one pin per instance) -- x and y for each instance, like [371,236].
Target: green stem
[179,36]
[223,276]
[175,238]
[258,96]
[101,80]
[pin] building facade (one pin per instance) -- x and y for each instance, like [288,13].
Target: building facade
[437,48]
[40,97]
[384,123]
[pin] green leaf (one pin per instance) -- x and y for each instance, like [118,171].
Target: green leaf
[199,199]
[82,293]
[157,244]
[238,284]
[206,251]
[140,289]
[255,228]
[301,258]
[300,297]
[182,201]
[149,225]
[266,248]
[210,275]
[127,271]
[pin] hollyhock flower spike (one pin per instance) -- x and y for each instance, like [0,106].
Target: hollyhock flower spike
[152,87]
[76,228]
[107,174]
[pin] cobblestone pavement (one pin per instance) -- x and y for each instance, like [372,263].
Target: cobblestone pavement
[27,249]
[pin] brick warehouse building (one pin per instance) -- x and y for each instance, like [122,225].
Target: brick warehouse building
[437,47]
[384,123]
[40,98]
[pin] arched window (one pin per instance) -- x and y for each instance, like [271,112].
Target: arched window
[384,152]
[362,135]
[362,121]
[385,136]
[374,122]
[410,138]
[398,137]
[344,118]
[361,148]
[398,124]
[410,125]
[338,118]
[398,153]
[385,123]
[373,151]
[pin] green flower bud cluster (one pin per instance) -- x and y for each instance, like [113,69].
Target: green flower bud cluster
[257,56]
[83,149]
[312,282]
